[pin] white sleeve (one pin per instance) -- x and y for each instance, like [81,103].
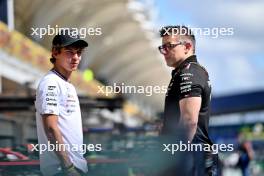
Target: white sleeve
[48,97]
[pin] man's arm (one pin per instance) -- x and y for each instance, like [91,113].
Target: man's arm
[249,150]
[48,100]
[50,123]
[189,109]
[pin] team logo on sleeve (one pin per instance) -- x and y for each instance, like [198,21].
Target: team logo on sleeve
[51,94]
[52,104]
[185,78]
[186,83]
[51,87]
[71,103]
[51,99]
[186,88]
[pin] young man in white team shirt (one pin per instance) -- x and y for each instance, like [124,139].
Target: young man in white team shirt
[58,113]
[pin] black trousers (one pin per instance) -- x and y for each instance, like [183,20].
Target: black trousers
[193,164]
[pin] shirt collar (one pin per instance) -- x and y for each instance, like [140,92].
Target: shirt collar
[192,58]
[59,74]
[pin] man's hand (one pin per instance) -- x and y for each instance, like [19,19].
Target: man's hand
[72,172]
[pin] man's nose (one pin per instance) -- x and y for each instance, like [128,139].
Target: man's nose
[75,56]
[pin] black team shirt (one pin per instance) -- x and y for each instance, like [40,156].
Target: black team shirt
[188,80]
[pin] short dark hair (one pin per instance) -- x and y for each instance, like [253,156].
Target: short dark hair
[180,30]
[56,48]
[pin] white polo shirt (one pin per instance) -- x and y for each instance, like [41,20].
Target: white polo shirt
[57,96]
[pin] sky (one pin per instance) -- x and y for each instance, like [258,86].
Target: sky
[235,62]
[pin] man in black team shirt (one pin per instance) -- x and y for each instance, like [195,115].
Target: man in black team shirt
[189,92]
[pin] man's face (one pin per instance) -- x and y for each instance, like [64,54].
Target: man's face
[173,54]
[69,58]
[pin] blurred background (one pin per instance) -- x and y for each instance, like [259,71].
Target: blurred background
[125,53]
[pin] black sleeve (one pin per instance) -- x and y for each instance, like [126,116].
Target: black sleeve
[190,82]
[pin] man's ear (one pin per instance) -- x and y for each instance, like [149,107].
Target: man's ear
[188,46]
